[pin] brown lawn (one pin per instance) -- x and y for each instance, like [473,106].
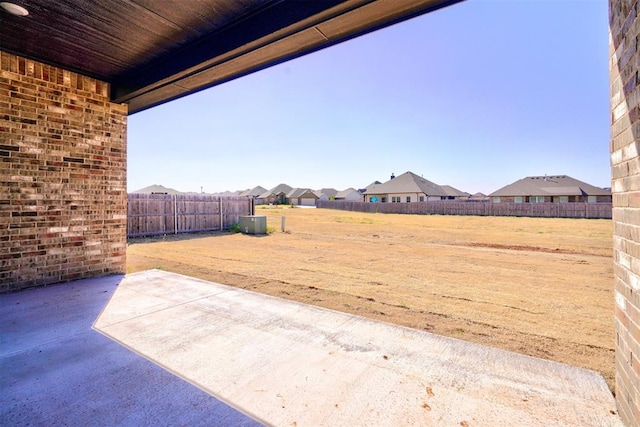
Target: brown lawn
[542,287]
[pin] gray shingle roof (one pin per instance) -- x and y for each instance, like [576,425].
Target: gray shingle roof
[299,192]
[408,182]
[452,191]
[327,192]
[226,194]
[282,188]
[344,193]
[155,188]
[369,187]
[479,196]
[551,185]
[254,192]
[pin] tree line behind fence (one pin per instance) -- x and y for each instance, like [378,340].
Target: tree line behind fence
[153,214]
[483,208]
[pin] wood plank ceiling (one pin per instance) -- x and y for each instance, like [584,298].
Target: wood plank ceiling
[152,51]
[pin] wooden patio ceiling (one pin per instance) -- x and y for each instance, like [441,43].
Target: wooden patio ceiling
[153,51]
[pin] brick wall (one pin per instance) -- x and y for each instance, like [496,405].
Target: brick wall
[62,176]
[625,170]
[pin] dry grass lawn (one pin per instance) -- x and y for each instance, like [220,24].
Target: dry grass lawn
[542,287]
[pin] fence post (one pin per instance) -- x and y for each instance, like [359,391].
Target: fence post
[175,214]
[221,216]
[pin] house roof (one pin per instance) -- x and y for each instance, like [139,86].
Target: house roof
[226,193]
[369,187]
[153,51]
[550,185]
[281,188]
[452,191]
[299,192]
[408,182]
[327,192]
[344,193]
[373,184]
[254,192]
[156,188]
[479,196]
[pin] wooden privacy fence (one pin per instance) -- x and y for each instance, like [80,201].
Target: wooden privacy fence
[152,214]
[450,207]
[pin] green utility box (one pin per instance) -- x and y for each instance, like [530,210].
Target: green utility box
[253,224]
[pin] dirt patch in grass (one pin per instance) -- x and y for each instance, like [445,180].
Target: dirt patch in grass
[524,248]
[542,287]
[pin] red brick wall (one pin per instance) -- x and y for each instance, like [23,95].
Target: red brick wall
[62,176]
[624,29]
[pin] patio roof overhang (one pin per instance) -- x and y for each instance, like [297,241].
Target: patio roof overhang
[154,51]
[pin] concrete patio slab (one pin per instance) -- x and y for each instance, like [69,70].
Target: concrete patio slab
[56,370]
[291,364]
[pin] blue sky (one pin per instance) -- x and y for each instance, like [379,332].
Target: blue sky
[476,95]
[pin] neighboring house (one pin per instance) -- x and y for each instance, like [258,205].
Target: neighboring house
[157,189]
[349,195]
[302,197]
[369,187]
[478,197]
[227,194]
[277,194]
[455,194]
[405,188]
[326,193]
[254,192]
[550,189]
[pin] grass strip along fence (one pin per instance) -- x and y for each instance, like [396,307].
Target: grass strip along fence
[449,207]
[153,214]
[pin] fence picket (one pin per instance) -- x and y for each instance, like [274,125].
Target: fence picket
[448,207]
[153,214]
